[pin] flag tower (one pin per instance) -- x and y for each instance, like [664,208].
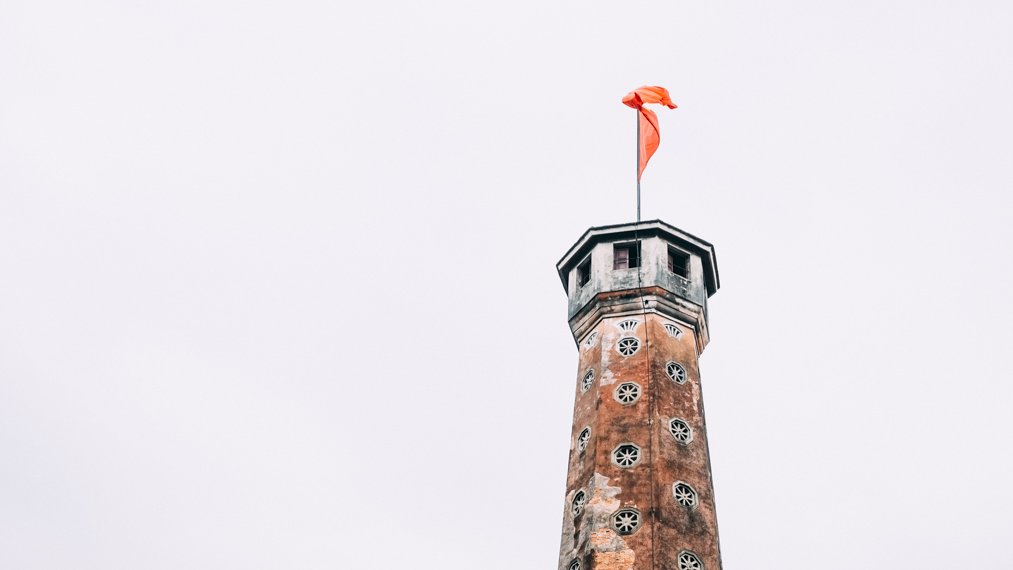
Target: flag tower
[639,494]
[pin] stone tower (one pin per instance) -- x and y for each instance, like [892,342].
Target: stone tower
[638,490]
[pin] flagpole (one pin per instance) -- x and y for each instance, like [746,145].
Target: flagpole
[637,113]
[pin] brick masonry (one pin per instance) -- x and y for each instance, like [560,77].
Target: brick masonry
[668,530]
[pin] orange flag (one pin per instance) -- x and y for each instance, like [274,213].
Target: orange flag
[650,136]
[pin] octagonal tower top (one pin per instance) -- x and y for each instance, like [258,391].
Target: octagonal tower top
[674,272]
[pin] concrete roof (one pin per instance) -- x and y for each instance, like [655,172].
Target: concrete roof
[647,228]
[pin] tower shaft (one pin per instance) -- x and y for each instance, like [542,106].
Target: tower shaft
[639,487]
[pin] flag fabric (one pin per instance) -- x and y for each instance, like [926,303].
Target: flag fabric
[650,135]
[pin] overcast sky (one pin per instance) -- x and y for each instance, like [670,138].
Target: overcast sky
[277,283]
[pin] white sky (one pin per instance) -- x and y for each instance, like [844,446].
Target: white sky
[277,285]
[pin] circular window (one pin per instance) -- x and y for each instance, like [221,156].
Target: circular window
[585,384]
[582,439]
[689,561]
[680,430]
[626,521]
[684,494]
[577,506]
[575,565]
[627,346]
[626,455]
[676,372]
[627,393]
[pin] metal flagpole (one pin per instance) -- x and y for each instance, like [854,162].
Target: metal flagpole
[638,164]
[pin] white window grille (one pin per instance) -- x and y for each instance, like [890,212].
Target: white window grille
[680,430]
[590,339]
[574,565]
[626,455]
[676,372]
[577,506]
[627,393]
[684,494]
[626,521]
[586,383]
[689,561]
[628,325]
[673,331]
[627,346]
[583,439]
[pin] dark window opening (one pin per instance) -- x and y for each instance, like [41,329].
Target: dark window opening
[584,272]
[626,256]
[678,262]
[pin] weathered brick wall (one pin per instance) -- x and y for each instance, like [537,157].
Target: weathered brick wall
[667,527]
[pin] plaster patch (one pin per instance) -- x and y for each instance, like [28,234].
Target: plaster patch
[608,344]
[595,532]
[607,378]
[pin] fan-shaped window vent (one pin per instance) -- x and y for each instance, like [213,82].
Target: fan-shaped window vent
[680,430]
[627,393]
[687,561]
[628,325]
[582,439]
[586,383]
[627,346]
[626,521]
[577,506]
[626,455]
[590,340]
[673,331]
[684,494]
[575,565]
[676,372]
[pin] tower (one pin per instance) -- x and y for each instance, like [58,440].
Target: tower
[639,494]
